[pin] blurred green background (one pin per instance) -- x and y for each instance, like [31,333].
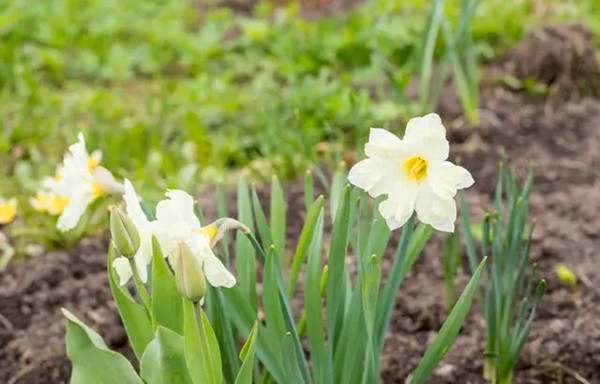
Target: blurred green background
[180,93]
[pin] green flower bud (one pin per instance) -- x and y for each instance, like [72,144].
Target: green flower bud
[124,233]
[189,276]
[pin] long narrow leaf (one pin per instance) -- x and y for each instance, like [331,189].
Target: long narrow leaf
[447,334]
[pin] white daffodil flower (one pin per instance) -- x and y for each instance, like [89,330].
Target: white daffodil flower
[176,223]
[414,174]
[143,256]
[78,182]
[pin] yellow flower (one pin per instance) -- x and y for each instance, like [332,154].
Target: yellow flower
[566,275]
[8,210]
[50,203]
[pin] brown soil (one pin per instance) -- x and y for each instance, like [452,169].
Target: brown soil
[559,139]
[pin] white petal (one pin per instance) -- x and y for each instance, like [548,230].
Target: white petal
[123,269]
[214,270]
[177,210]
[77,156]
[445,179]
[74,210]
[167,238]
[382,144]
[400,204]
[132,203]
[216,273]
[143,256]
[435,211]
[428,134]
[107,180]
[372,175]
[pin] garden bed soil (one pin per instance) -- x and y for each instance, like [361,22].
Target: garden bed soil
[557,133]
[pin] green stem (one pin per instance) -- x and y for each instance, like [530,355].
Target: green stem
[139,285]
[489,370]
[506,379]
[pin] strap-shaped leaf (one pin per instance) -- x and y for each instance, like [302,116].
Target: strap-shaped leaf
[445,338]
[164,360]
[303,243]
[166,301]
[244,252]
[247,353]
[315,329]
[93,362]
[278,217]
[201,348]
[336,288]
[134,316]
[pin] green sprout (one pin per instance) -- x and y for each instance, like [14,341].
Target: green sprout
[510,290]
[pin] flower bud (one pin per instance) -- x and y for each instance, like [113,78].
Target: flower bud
[124,233]
[189,276]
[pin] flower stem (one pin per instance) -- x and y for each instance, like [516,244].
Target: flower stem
[139,285]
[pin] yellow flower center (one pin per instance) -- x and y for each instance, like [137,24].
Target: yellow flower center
[8,211]
[210,231]
[415,168]
[93,163]
[57,205]
[98,189]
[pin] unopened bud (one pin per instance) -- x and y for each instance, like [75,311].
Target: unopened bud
[189,276]
[124,233]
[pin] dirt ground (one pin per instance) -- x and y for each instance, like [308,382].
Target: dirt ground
[556,131]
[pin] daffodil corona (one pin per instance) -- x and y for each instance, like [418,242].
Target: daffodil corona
[414,174]
[79,180]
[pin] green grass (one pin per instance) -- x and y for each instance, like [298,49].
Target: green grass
[176,95]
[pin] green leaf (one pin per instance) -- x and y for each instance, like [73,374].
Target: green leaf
[164,359]
[244,252]
[348,365]
[220,318]
[309,188]
[201,348]
[291,370]
[445,338]
[303,243]
[166,301]
[409,248]
[93,362]
[134,316]
[336,288]
[429,41]
[278,217]
[242,315]
[337,189]
[271,304]
[314,311]
[247,353]
[261,221]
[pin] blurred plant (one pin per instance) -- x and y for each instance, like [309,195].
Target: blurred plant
[512,290]
[8,210]
[459,54]
[566,276]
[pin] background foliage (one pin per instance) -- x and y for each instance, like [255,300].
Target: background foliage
[177,92]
